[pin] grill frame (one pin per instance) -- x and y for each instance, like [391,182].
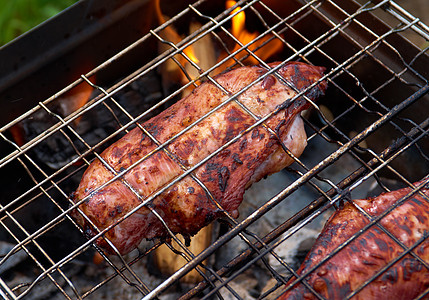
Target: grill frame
[333,195]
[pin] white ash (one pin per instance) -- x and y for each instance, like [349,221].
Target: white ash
[240,289]
[317,150]
[271,289]
[293,250]
[244,285]
[250,286]
[298,243]
[13,260]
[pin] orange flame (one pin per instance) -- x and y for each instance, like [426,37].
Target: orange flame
[80,94]
[71,101]
[200,53]
[189,51]
[238,20]
[171,34]
[244,37]
[18,135]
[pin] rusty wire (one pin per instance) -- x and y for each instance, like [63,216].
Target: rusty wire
[258,246]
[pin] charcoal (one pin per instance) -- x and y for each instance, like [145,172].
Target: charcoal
[12,260]
[95,124]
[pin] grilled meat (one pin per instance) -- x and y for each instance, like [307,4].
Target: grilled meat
[357,262]
[186,206]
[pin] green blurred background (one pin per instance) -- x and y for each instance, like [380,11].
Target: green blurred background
[19,16]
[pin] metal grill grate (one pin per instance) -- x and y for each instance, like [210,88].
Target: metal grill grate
[370,130]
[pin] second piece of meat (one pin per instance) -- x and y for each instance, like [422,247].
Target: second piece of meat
[371,251]
[187,206]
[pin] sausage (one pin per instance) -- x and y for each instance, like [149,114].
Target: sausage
[357,262]
[187,206]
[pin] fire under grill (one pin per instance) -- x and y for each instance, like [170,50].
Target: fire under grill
[78,83]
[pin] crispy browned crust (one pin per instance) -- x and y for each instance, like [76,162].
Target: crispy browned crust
[370,252]
[186,207]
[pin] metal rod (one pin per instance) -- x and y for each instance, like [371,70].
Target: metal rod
[309,209]
[312,47]
[277,199]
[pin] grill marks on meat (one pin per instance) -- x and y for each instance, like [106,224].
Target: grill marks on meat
[370,252]
[186,206]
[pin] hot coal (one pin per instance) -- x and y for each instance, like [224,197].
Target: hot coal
[95,124]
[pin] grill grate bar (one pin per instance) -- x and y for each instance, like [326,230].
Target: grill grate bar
[377,219]
[407,250]
[372,222]
[352,18]
[43,229]
[272,202]
[402,15]
[395,75]
[7,290]
[83,246]
[23,247]
[312,206]
[316,205]
[422,295]
[369,47]
[118,271]
[188,256]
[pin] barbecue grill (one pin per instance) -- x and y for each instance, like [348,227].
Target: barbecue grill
[79,82]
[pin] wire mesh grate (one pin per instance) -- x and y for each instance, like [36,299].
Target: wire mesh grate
[368,134]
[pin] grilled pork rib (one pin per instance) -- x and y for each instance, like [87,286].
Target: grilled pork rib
[357,262]
[186,207]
